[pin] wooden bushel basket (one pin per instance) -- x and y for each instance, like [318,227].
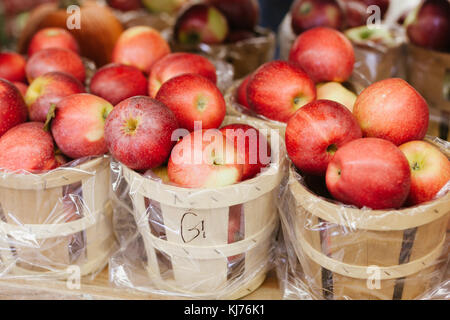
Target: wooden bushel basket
[196,223]
[348,253]
[429,73]
[51,221]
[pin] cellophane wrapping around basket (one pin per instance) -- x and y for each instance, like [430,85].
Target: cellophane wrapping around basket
[194,243]
[58,224]
[373,60]
[245,55]
[335,251]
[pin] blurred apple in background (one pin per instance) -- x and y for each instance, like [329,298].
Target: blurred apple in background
[191,98]
[252,145]
[176,64]
[391,109]
[335,91]
[12,66]
[55,59]
[168,6]
[201,23]
[316,131]
[49,89]
[27,147]
[138,132]
[52,38]
[430,170]
[140,47]
[356,10]
[240,14]
[125,5]
[324,54]
[116,82]
[78,125]
[22,88]
[278,89]
[430,26]
[205,159]
[369,172]
[308,14]
[13,109]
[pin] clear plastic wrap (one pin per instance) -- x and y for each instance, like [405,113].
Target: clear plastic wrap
[196,243]
[356,84]
[374,60]
[56,224]
[336,251]
[245,55]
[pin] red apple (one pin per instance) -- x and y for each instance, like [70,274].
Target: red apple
[392,109]
[52,38]
[278,89]
[241,93]
[117,82]
[357,10]
[49,89]
[252,146]
[369,172]
[12,66]
[55,59]
[316,131]
[240,14]
[205,159]
[192,98]
[139,132]
[22,88]
[27,147]
[176,64]
[13,109]
[430,170]
[325,54]
[201,23]
[140,47]
[308,14]
[125,5]
[78,126]
[431,26]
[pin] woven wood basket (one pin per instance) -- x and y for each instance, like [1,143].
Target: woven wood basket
[344,251]
[51,221]
[196,223]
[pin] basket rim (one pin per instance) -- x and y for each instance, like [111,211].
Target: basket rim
[211,198]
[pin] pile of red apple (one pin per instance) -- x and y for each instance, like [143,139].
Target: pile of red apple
[373,157]
[320,60]
[160,98]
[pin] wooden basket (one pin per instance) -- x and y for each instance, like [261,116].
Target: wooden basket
[245,56]
[429,73]
[200,256]
[55,220]
[343,250]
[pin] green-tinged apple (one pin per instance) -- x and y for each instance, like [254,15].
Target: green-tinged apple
[193,98]
[201,23]
[168,6]
[335,91]
[49,89]
[369,172]
[176,64]
[430,170]
[140,47]
[392,109]
[316,131]
[27,147]
[139,132]
[205,159]
[78,125]
[278,89]
[240,14]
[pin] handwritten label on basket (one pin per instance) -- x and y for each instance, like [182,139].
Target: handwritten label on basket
[191,227]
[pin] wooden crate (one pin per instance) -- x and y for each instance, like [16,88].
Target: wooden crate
[54,220]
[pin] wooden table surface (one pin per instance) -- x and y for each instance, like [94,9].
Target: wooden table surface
[101,289]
